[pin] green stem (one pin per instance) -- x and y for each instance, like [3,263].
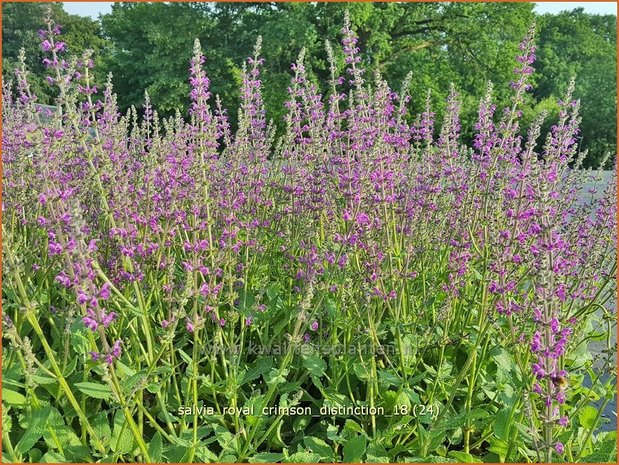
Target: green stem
[6,443]
[63,384]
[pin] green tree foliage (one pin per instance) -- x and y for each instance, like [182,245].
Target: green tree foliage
[20,23]
[467,44]
[576,44]
[152,48]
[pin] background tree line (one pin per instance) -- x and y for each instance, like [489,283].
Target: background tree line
[147,47]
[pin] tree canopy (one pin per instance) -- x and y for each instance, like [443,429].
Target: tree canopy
[20,24]
[147,47]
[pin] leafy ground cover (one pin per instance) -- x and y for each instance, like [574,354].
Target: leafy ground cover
[365,288]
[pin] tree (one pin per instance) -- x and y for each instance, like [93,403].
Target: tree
[584,46]
[152,46]
[148,46]
[20,23]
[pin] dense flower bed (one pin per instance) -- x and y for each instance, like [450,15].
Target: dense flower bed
[364,287]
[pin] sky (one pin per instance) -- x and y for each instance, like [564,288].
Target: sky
[603,8]
[93,9]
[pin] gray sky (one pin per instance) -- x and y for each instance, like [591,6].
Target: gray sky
[93,9]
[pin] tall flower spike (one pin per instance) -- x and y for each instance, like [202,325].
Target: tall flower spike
[352,52]
[199,86]
[525,68]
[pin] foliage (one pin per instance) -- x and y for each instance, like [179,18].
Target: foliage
[467,44]
[20,22]
[150,54]
[362,288]
[583,46]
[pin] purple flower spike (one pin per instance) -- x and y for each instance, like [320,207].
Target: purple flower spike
[116,349]
[90,323]
[108,319]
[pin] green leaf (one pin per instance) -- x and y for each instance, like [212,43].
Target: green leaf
[361,371]
[390,399]
[12,397]
[387,379]
[301,423]
[354,449]
[153,388]
[224,437]
[35,455]
[331,308]
[501,425]
[503,360]
[122,439]
[605,451]
[429,459]
[96,390]
[123,370]
[376,453]
[155,447]
[444,371]
[177,453]
[266,457]
[262,366]
[302,457]
[185,356]
[276,377]
[70,368]
[464,457]
[273,290]
[53,457]
[57,434]
[132,381]
[229,458]
[352,425]
[12,383]
[315,364]
[246,300]
[587,417]
[376,458]
[204,455]
[101,426]
[320,447]
[333,433]
[34,432]
[77,454]
[580,355]
[79,340]
[43,380]
[499,447]
[255,405]
[457,420]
